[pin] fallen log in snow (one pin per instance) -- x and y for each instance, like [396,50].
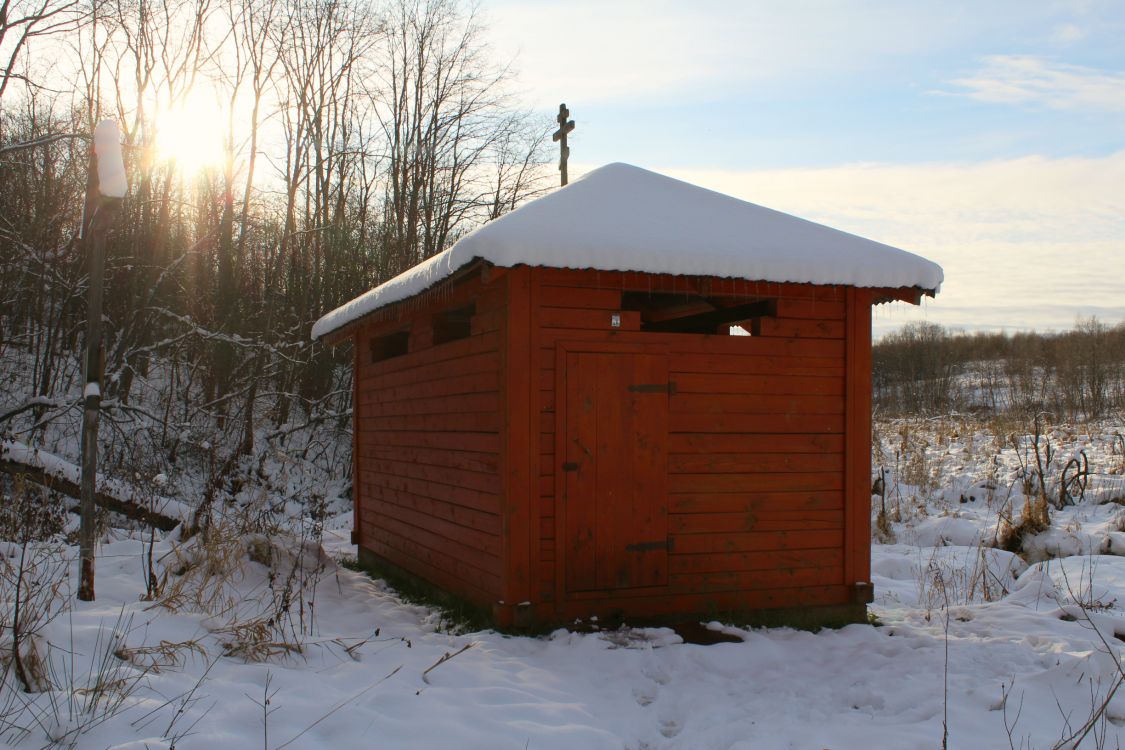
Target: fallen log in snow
[56,474]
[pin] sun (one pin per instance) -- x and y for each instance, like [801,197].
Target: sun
[190,133]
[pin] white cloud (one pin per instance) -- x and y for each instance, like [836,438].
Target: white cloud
[1025,243]
[1068,33]
[1025,79]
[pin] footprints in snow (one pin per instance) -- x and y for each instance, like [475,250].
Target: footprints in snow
[647,693]
[670,728]
[644,695]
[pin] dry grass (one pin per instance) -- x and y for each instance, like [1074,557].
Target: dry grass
[255,640]
[942,584]
[204,571]
[884,532]
[164,655]
[912,464]
[1035,518]
[209,575]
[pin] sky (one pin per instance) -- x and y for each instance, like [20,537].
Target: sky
[986,136]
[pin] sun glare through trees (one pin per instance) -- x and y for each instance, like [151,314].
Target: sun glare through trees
[189,134]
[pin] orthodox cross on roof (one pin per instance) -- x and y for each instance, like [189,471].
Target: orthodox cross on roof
[565,126]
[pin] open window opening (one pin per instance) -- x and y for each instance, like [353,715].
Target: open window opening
[451,325]
[680,313]
[390,345]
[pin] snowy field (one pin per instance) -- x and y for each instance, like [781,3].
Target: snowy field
[257,645]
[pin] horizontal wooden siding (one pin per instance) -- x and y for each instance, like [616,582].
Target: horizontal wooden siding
[428,448]
[756,445]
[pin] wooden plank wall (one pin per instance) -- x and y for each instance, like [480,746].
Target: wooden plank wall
[756,450]
[428,446]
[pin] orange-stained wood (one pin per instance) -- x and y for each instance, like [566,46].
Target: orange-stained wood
[421,360]
[691,382]
[457,514]
[709,442]
[552,458]
[756,482]
[483,462]
[475,480]
[357,532]
[857,540]
[760,561]
[426,451]
[463,363]
[530,446]
[814,309]
[692,345]
[755,541]
[762,364]
[761,520]
[725,403]
[483,382]
[516,439]
[486,421]
[473,550]
[731,580]
[437,564]
[577,297]
[484,442]
[614,470]
[796,328]
[766,424]
[482,501]
[748,463]
[601,320]
[485,543]
[754,502]
[459,404]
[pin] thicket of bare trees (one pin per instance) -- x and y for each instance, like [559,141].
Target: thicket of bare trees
[357,140]
[925,369]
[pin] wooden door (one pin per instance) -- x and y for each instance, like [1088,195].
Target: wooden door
[615,466]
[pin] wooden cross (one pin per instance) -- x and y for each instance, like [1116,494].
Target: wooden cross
[565,126]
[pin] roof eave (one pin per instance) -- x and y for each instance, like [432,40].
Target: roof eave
[910,294]
[344,332]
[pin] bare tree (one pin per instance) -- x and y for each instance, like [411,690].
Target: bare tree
[358,141]
[24,21]
[444,114]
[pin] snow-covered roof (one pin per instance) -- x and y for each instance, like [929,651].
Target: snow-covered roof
[624,218]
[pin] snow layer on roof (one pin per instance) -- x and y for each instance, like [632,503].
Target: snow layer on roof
[624,218]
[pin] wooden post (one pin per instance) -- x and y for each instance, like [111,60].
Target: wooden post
[102,200]
[565,126]
[93,240]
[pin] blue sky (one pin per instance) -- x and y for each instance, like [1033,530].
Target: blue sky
[987,136]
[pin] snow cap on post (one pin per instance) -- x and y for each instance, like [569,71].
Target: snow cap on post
[111,166]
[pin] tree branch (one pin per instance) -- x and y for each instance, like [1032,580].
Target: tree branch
[44,141]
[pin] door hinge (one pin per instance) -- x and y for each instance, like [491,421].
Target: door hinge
[650,546]
[570,466]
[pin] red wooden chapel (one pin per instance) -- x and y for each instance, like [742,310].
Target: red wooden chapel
[553,419]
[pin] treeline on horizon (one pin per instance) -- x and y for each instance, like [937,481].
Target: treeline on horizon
[926,369]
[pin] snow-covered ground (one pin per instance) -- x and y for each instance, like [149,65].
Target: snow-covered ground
[1000,649]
